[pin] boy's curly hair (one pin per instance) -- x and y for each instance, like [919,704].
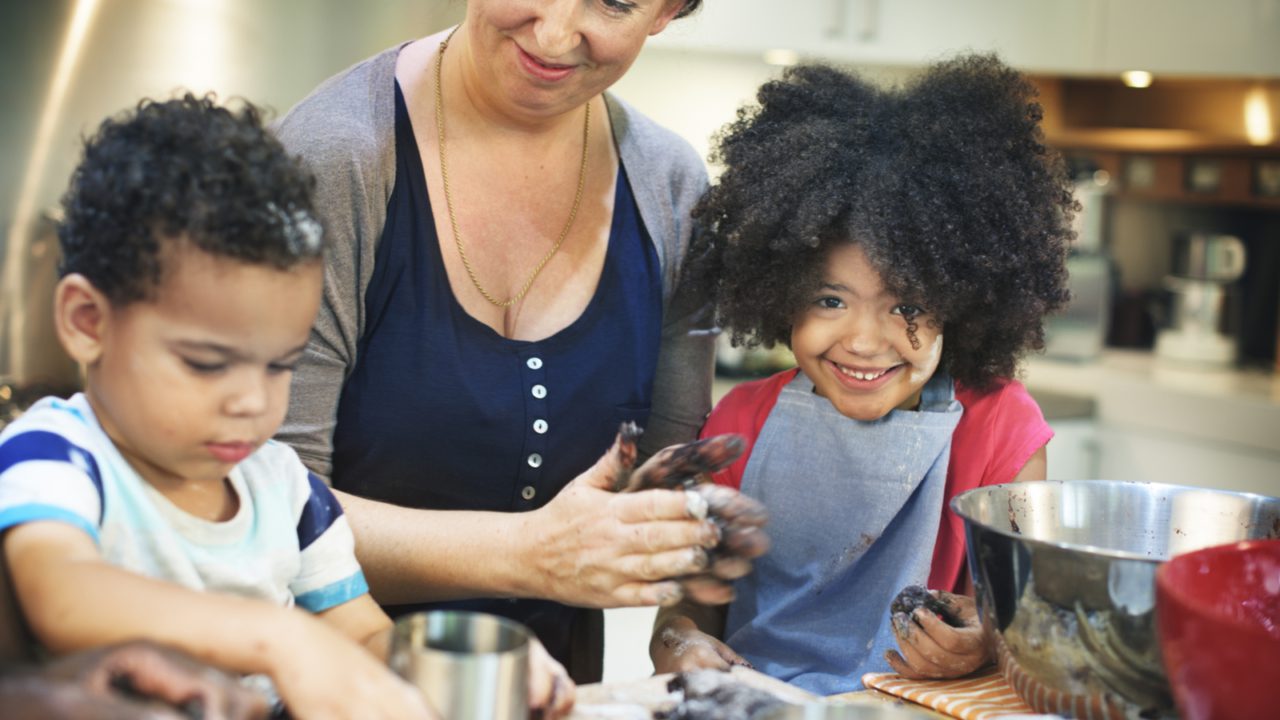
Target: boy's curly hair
[183,167]
[945,183]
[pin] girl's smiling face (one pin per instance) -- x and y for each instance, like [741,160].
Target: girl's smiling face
[865,350]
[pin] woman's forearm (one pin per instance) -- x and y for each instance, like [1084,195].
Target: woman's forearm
[411,555]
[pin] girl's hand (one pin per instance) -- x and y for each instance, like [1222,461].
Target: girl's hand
[551,692]
[320,673]
[677,649]
[933,649]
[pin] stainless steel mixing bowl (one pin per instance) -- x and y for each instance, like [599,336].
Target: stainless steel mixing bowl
[1065,581]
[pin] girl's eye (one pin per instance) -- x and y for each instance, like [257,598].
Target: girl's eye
[205,368]
[829,302]
[908,311]
[278,368]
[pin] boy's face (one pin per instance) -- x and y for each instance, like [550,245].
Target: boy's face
[855,341]
[188,383]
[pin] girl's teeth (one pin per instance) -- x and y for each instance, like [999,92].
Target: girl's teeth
[859,375]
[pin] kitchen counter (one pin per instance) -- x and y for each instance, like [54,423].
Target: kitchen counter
[1237,408]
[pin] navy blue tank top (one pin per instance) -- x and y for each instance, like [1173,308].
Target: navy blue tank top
[440,411]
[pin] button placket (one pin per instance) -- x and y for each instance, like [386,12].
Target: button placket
[535,445]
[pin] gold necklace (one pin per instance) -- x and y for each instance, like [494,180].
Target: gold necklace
[448,199]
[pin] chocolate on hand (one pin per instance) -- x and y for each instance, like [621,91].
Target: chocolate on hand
[740,519]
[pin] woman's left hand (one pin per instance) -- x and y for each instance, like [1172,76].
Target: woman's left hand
[932,649]
[551,692]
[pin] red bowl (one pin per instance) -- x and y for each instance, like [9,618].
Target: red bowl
[1218,613]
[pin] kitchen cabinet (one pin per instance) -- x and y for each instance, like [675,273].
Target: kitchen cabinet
[1157,423]
[1127,453]
[1225,37]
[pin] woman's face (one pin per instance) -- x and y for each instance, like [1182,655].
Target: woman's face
[546,57]
[865,350]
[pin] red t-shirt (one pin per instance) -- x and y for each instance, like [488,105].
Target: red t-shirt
[999,431]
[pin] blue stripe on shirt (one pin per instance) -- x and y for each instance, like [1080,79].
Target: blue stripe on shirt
[44,445]
[34,512]
[333,594]
[321,510]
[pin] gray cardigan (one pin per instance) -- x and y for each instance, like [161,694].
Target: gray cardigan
[345,131]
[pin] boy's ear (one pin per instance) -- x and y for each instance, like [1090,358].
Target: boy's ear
[80,312]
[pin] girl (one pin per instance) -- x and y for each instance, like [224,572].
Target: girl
[906,244]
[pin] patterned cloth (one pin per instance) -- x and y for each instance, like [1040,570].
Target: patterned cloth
[983,695]
[287,543]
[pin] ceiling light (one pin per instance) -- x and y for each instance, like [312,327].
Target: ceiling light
[783,57]
[1136,78]
[1258,126]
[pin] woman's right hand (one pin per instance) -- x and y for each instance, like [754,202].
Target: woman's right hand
[320,673]
[594,547]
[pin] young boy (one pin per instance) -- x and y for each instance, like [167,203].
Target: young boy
[190,279]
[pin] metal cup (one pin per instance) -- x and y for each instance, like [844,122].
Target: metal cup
[470,665]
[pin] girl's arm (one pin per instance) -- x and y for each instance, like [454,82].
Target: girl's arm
[687,636]
[72,599]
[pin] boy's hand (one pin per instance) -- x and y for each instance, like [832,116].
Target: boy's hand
[932,649]
[551,692]
[681,650]
[320,673]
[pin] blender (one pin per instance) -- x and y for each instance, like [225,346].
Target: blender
[1205,268]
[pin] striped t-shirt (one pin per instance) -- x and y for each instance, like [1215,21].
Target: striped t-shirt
[287,543]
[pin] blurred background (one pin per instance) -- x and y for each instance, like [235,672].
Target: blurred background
[1164,369]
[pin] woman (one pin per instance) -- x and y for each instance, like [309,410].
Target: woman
[502,291]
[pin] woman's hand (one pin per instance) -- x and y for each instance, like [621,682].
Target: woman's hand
[134,680]
[933,649]
[551,692]
[681,646]
[593,547]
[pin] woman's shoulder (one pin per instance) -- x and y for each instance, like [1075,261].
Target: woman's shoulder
[643,143]
[348,112]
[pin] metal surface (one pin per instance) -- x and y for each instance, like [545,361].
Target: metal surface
[1065,580]
[470,665]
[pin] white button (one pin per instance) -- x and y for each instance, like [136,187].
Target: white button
[528,492]
[540,426]
[534,363]
[535,460]
[539,391]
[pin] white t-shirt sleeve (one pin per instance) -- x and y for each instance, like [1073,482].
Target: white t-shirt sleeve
[329,574]
[48,472]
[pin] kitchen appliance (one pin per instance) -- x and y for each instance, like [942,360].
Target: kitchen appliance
[1219,614]
[1205,269]
[1064,574]
[1079,330]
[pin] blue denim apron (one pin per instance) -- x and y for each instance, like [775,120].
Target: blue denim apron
[854,509]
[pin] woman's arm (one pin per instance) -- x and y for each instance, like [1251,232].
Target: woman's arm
[589,547]
[72,599]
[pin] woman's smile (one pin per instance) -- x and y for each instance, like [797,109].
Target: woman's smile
[541,70]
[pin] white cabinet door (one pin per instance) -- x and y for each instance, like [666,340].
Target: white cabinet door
[1235,37]
[1229,37]
[1128,454]
[1073,452]
[1044,35]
